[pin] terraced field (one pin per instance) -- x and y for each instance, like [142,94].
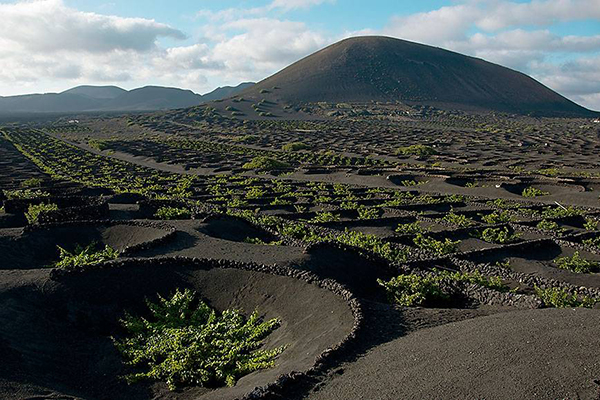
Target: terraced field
[421,254]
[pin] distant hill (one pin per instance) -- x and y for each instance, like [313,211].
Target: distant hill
[375,68]
[97,92]
[112,98]
[154,98]
[49,102]
[226,91]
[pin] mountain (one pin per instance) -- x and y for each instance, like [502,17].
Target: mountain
[112,98]
[375,68]
[49,102]
[154,98]
[226,91]
[97,92]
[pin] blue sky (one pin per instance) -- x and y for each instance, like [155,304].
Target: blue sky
[51,45]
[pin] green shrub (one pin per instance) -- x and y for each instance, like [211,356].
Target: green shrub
[368,213]
[590,224]
[549,226]
[455,198]
[497,217]
[300,209]
[323,199]
[498,235]
[410,182]
[185,342]
[280,201]
[25,194]
[359,240]
[428,199]
[36,210]
[349,205]
[560,212]
[341,189]
[297,231]
[236,203]
[593,242]
[31,182]
[325,216]
[168,213]
[533,192]
[393,202]
[373,244]
[255,192]
[548,171]
[295,146]
[411,228]
[458,220]
[262,242]
[98,144]
[84,256]
[503,203]
[417,150]
[263,163]
[577,264]
[439,247]
[561,298]
[415,290]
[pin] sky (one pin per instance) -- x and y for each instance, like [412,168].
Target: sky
[52,45]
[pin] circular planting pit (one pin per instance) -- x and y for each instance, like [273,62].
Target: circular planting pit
[36,247]
[408,180]
[481,182]
[233,229]
[347,266]
[55,333]
[548,189]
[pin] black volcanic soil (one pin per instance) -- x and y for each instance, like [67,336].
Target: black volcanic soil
[38,248]
[537,354]
[233,229]
[56,335]
[207,240]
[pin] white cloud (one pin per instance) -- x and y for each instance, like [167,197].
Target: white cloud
[43,42]
[61,44]
[197,56]
[444,24]
[49,25]
[288,5]
[282,6]
[513,34]
[503,14]
[580,79]
[520,49]
[454,22]
[267,40]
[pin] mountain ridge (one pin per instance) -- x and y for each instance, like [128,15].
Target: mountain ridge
[88,98]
